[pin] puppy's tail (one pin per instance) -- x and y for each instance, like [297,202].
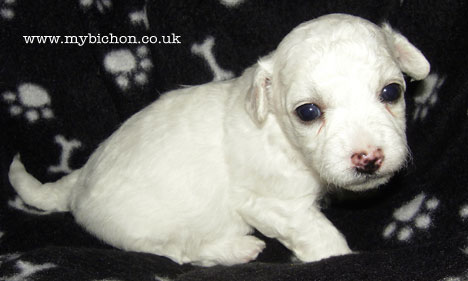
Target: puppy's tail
[49,196]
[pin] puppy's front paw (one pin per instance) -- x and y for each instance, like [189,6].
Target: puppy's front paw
[231,251]
[247,249]
[317,251]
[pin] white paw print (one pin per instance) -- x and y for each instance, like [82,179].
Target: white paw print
[159,278]
[464,216]
[6,9]
[464,212]
[31,100]
[231,3]
[427,96]
[413,215]
[101,5]
[139,17]
[129,68]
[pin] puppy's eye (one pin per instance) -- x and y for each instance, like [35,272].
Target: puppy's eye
[308,112]
[391,93]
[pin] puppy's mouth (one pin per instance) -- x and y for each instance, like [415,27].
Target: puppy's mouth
[367,181]
[363,177]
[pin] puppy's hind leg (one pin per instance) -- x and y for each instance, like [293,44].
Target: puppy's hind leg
[230,250]
[157,247]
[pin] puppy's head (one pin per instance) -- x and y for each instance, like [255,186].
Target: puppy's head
[335,85]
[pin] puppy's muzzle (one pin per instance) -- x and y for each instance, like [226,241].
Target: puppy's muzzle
[368,162]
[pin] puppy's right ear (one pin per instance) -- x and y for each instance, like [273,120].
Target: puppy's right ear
[257,97]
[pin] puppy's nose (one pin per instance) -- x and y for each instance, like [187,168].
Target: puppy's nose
[367,163]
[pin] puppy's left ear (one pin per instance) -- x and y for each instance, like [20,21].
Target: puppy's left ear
[256,102]
[411,61]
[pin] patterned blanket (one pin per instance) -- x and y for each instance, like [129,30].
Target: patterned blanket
[72,71]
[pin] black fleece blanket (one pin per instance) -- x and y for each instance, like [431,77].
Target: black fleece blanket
[58,101]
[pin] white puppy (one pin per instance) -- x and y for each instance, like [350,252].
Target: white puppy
[191,175]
